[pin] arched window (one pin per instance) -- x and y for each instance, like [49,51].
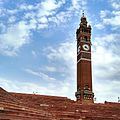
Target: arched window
[85,38]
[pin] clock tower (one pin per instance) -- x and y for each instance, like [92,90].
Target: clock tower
[84,92]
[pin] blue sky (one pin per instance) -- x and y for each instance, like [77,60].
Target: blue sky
[38,46]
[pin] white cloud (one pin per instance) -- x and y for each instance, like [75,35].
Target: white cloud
[11,11]
[64,58]
[114,21]
[106,39]
[115,4]
[103,50]
[42,26]
[27,7]
[98,57]
[54,19]
[41,75]
[12,19]
[108,17]
[50,5]
[34,53]
[49,11]
[14,38]
[99,26]
[106,71]
[107,91]
[43,20]
[39,16]
[59,88]
[24,87]
[105,57]
[30,15]
[65,51]
[77,4]
[50,69]
[63,17]
[32,24]
[48,8]
[104,13]
[2,28]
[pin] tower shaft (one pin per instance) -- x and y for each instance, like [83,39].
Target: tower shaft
[84,92]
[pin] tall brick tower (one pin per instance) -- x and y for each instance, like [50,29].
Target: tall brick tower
[84,92]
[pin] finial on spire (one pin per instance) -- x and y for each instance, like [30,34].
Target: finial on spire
[83,13]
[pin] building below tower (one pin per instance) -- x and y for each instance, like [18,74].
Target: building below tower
[19,106]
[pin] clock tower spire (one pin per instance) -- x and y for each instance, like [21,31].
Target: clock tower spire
[84,92]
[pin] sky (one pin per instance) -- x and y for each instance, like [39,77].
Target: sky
[38,46]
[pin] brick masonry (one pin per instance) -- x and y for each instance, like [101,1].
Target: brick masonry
[19,106]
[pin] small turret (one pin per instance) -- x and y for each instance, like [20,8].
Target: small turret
[83,19]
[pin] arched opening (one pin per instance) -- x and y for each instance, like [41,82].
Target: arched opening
[85,38]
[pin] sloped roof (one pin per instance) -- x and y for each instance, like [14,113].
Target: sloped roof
[12,108]
[19,106]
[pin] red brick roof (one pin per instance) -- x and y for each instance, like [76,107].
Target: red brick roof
[19,106]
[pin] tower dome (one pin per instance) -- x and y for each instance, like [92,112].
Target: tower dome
[83,19]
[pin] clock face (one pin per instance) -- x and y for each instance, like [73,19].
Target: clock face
[86,47]
[78,50]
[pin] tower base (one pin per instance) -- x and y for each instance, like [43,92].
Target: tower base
[84,96]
